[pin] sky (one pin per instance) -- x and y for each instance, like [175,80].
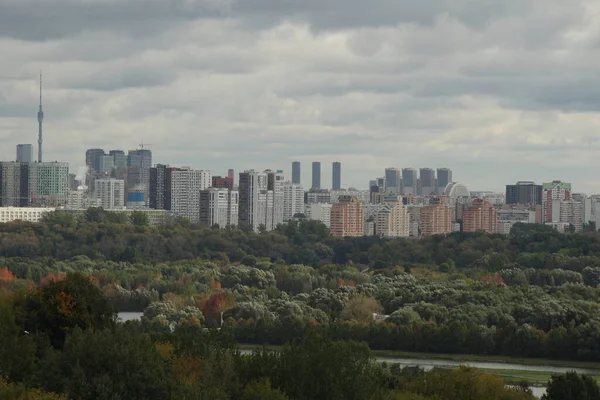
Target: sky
[498,91]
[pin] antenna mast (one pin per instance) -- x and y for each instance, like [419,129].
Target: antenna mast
[40,121]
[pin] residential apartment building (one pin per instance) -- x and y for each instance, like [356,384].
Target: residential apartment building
[347,217]
[14,184]
[219,206]
[160,187]
[554,193]
[524,192]
[480,216]
[392,219]
[261,199]
[186,185]
[293,200]
[436,219]
[571,212]
[316,196]
[110,192]
[48,184]
[320,212]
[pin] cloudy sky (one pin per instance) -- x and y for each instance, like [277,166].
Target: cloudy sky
[497,90]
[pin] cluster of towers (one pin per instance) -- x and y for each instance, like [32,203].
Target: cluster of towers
[336,180]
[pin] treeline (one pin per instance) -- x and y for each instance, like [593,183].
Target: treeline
[60,340]
[62,237]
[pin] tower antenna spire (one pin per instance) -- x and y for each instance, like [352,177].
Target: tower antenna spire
[40,121]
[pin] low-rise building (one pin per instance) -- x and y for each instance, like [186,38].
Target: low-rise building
[28,214]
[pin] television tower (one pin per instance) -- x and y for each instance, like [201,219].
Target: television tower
[40,121]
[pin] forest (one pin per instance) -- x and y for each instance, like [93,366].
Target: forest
[329,302]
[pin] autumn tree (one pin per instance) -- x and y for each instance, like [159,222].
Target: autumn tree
[360,308]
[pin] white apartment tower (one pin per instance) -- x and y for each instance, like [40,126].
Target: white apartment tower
[261,197]
[186,185]
[219,207]
[293,200]
[393,219]
[111,193]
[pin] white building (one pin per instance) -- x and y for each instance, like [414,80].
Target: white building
[29,214]
[393,219]
[364,196]
[186,185]
[261,199]
[219,207]
[320,212]
[571,212]
[110,192]
[293,200]
[318,196]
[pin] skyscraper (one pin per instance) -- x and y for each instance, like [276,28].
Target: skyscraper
[24,153]
[261,199]
[219,207]
[393,180]
[48,184]
[427,179]
[316,175]
[92,158]
[231,177]
[296,172]
[14,187]
[409,181]
[40,122]
[524,192]
[337,176]
[444,177]
[293,200]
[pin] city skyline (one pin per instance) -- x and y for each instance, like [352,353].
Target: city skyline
[478,89]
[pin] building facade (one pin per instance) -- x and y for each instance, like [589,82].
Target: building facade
[392,219]
[316,175]
[28,214]
[319,212]
[219,206]
[48,184]
[554,193]
[347,217]
[110,192]
[25,153]
[524,192]
[426,181]
[444,177]
[293,200]
[436,219]
[186,185]
[296,172]
[409,181]
[480,216]
[261,199]
[393,180]
[336,176]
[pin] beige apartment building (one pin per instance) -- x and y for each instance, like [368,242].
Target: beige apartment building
[436,219]
[393,219]
[347,217]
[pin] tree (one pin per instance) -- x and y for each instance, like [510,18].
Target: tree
[572,386]
[57,308]
[262,390]
[360,308]
[139,218]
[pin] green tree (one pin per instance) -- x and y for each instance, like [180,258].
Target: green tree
[139,218]
[572,386]
[262,390]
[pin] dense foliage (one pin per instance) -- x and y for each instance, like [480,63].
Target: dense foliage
[533,293]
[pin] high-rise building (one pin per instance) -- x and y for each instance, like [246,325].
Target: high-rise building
[106,165]
[316,175]
[444,177]
[92,158]
[119,159]
[110,192]
[436,219]
[524,192]
[160,187]
[24,153]
[221,182]
[427,181]
[186,185]
[571,212]
[337,176]
[409,181]
[347,217]
[393,180]
[480,216]
[40,116]
[392,218]
[261,199]
[231,177]
[139,163]
[293,200]
[553,194]
[275,199]
[14,184]
[296,172]
[218,206]
[48,184]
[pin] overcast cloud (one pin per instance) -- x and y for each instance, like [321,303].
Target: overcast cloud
[497,90]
